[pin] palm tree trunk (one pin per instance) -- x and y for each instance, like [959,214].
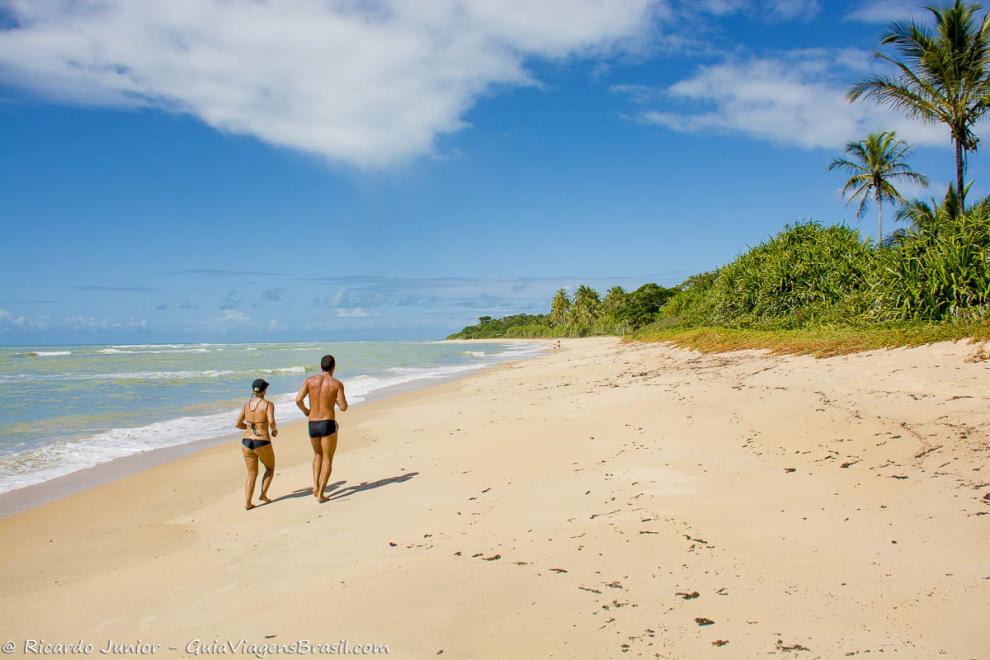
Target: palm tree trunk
[879,220]
[960,175]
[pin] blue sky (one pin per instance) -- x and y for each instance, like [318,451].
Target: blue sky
[209,171]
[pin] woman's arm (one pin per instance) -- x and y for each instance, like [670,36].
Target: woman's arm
[271,420]
[240,420]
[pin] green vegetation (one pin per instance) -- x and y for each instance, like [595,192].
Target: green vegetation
[822,289]
[620,312]
[876,164]
[519,325]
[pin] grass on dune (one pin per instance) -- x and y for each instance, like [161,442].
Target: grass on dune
[817,341]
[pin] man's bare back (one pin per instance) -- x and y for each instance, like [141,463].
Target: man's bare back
[325,394]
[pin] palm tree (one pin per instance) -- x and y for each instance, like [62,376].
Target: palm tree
[585,308]
[614,299]
[559,308]
[944,76]
[922,215]
[876,163]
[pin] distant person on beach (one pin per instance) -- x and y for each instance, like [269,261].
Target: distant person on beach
[324,392]
[258,415]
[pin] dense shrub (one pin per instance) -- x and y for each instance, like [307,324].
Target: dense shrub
[792,279]
[939,270]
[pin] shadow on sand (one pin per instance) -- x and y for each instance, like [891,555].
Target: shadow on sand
[333,494]
[306,492]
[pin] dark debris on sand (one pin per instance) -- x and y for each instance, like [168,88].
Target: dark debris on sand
[790,647]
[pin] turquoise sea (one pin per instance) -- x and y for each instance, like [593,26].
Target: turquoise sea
[67,408]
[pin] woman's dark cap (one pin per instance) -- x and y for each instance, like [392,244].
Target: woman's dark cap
[259,385]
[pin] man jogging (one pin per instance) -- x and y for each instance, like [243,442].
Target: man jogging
[325,393]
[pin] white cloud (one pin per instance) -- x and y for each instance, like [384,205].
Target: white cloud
[351,313]
[9,321]
[791,10]
[92,324]
[771,10]
[721,7]
[797,98]
[364,82]
[886,11]
[232,316]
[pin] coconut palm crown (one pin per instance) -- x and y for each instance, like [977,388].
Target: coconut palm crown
[876,164]
[943,76]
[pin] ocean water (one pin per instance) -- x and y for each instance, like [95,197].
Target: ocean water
[67,408]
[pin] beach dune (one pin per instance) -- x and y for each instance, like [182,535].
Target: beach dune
[604,498]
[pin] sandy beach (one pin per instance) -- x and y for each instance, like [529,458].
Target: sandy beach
[600,500]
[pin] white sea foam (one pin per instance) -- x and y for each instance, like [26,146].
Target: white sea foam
[120,351]
[47,353]
[147,375]
[475,353]
[159,346]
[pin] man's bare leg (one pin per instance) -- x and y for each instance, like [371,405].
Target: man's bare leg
[251,462]
[317,464]
[267,456]
[329,446]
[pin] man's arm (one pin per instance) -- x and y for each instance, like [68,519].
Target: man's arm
[301,397]
[240,420]
[341,399]
[271,420]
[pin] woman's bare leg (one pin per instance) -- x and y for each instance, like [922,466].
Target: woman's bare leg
[267,456]
[251,461]
[328,445]
[317,464]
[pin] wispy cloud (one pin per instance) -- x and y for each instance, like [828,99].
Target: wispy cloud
[722,7]
[769,10]
[77,325]
[274,294]
[791,10]
[637,93]
[94,324]
[219,272]
[113,289]
[29,302]
[9,321]
[366,83]
[886,11]
[794,98]
[350,312]
[232,316]
[231,301]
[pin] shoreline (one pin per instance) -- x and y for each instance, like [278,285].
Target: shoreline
[607,498]
[28,497]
